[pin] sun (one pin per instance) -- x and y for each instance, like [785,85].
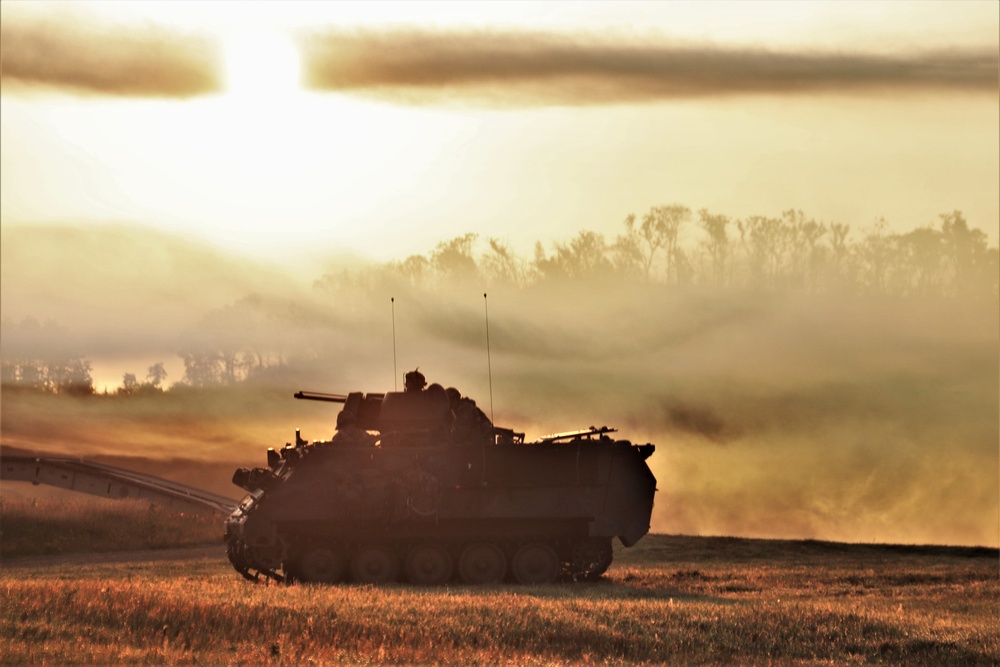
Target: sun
[261,63]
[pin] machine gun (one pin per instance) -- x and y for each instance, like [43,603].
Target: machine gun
[586,433]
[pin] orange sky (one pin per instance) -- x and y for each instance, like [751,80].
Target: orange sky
[520,121]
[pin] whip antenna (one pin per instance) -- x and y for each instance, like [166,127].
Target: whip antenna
[489,364]
[395,386]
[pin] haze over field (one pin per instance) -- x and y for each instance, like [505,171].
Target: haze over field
[836,415]
[827,367]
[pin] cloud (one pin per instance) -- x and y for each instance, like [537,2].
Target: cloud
[524,68]
[83,56]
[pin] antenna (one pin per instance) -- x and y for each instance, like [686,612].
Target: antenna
[395,375]
[489,364]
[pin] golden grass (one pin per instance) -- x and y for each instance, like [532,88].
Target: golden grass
[37,526]
[751,602]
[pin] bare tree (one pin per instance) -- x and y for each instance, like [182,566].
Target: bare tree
[585,256]
[717,243]
[660,229]
[415,268]
[626,255]
[201,368]
[921,254]
[875,255]
[502,265]
[71,376]
[973,264]
[130,385]
[806,235]
[453,259]
[156,375]
[759,238]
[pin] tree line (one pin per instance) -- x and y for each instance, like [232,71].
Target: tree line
[62,375]
[672,246]
[668,246]
[72,376]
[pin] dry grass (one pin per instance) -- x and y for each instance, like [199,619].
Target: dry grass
[670,600]
[38,526]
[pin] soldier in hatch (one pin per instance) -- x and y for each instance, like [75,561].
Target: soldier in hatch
[471,425]
[414,380]
[350,433]
[437,393]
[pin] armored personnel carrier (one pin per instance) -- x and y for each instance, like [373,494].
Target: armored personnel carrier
[420,486]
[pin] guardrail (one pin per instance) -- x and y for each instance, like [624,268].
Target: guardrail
[110,482]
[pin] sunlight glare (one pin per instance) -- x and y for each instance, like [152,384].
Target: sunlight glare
[261,64]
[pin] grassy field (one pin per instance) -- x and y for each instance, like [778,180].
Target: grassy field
[669,600]
[67,522]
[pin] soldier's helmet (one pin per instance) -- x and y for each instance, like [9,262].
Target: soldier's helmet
[414,380]
[453,394]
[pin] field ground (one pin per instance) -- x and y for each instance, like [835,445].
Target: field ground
[668,600]
[62,522]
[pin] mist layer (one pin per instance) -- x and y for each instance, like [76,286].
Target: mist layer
[776,413]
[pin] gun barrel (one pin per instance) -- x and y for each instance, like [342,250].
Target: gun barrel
[317,396]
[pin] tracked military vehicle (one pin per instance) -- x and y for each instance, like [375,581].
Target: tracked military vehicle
[419,486]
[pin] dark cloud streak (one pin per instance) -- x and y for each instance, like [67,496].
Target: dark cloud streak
[510,68]
[86,57]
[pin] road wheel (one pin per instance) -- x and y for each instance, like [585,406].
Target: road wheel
[269,557]
[591,558]
[321,565]
[428,565]
[374,564]
[482,563]
[535,564]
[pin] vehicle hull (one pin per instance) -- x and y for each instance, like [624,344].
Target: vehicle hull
[367,505]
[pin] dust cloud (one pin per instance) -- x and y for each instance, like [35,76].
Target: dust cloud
[842,416]
[77,53]
[528,68]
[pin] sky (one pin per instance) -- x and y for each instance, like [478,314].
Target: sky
[178,174]
[290,130]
